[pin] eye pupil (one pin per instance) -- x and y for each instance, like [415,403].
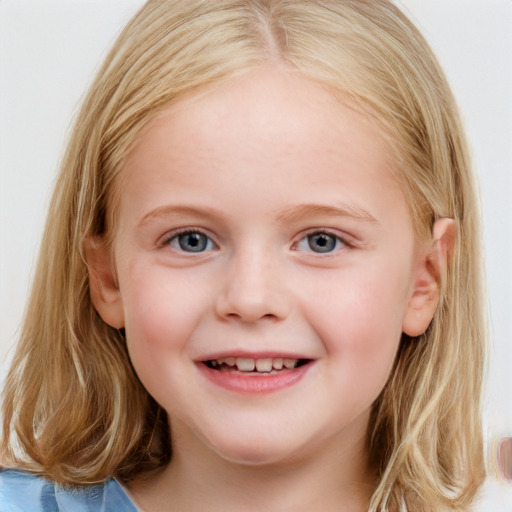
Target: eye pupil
[193,242]
[321,242]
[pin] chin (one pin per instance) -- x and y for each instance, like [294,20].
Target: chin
[253,458]
[257,452]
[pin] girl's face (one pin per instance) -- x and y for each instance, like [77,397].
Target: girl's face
[266,267]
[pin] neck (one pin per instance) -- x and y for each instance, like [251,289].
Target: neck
[335,478]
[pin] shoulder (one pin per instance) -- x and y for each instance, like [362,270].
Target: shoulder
[23,492]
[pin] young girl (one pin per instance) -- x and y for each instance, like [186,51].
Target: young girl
[259,286]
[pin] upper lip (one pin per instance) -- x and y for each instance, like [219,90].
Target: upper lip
[253,355]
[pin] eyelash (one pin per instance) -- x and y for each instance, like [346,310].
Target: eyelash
[174,235]
[209,244]
[340,242]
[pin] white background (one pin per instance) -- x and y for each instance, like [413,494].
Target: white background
[49,50]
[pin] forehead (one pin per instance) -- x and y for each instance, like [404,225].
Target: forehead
[275,107]
[268,129]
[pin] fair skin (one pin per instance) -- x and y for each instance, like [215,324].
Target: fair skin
[298,246]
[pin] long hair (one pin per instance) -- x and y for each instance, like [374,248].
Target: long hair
[73,408]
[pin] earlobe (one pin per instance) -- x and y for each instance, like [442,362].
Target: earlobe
[431,268]
[105,294]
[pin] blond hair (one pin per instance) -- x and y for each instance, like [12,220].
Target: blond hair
[73,407]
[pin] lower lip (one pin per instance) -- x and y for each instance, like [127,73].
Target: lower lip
[254,383]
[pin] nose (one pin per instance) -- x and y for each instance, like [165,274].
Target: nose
[254,289]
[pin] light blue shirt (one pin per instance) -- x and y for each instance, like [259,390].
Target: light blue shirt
[24,492]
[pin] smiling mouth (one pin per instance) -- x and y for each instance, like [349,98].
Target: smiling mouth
[255,366]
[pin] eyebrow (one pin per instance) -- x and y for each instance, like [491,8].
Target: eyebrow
[291,214]
[340,210]
[175,210]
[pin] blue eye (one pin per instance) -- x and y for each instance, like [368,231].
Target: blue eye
[320,242]
[191,241]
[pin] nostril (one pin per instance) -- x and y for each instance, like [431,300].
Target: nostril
[249,313]
[250,296]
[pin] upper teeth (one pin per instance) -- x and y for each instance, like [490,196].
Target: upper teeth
[266,365]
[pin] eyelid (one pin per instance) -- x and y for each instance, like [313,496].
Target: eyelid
[344,239]
[170,235]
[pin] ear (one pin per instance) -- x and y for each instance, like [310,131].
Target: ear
[432,265]
[105,294]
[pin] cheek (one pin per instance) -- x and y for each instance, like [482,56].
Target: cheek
[159,322]
[161,312]
[359,319]
[147,313]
